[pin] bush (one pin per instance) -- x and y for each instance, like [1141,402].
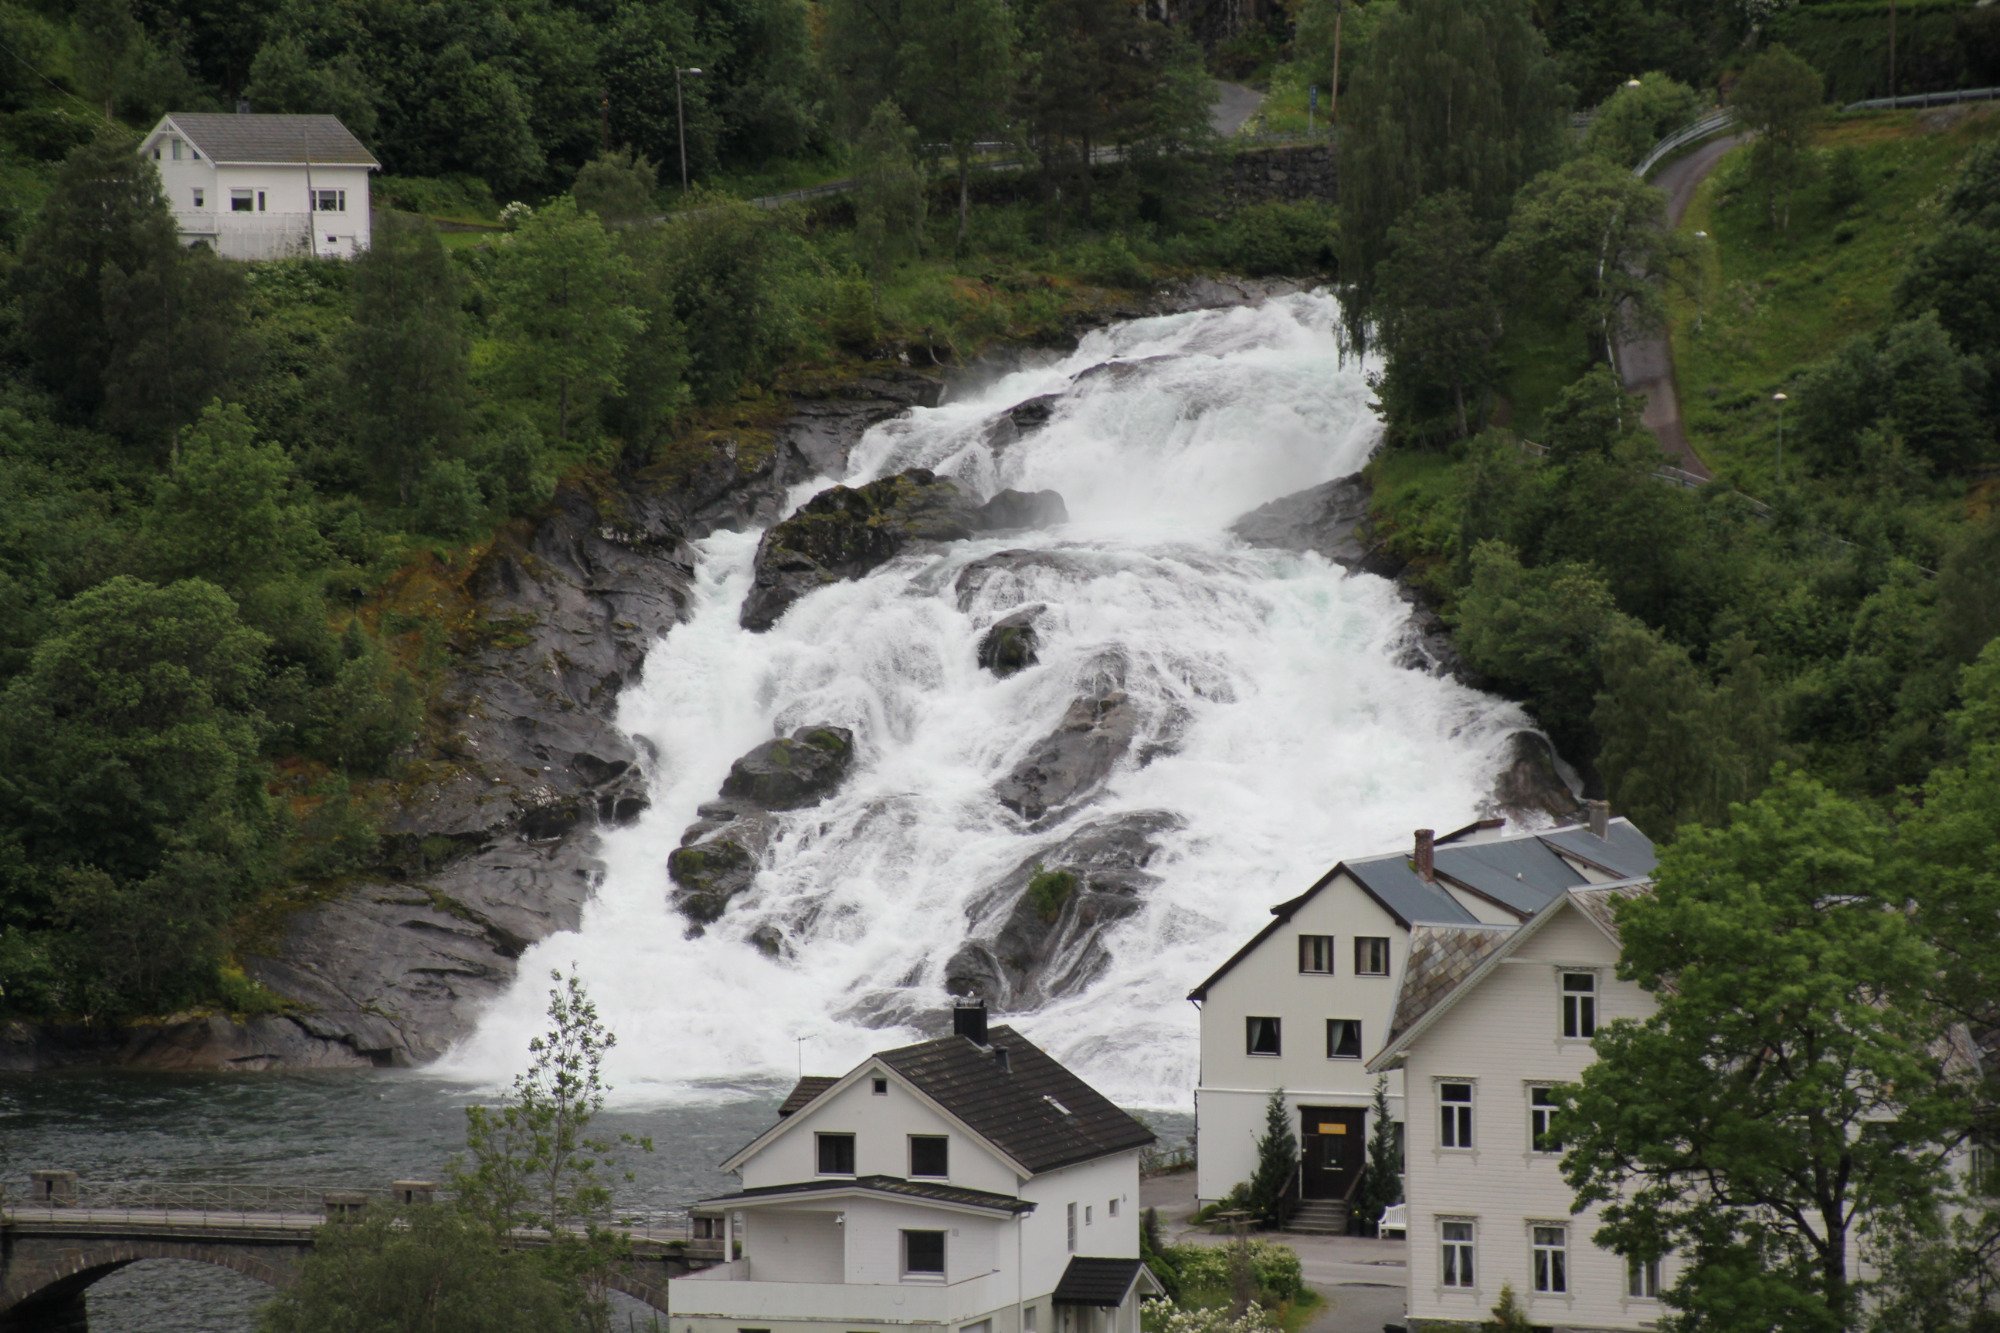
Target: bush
[1204,1269]
[1294,239]
[45,134]
[1111,261]
[437,196]
[1049,891]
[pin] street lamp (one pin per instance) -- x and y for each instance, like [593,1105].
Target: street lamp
[1780,400]
[680,115]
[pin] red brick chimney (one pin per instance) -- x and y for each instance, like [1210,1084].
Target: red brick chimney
[1426,855]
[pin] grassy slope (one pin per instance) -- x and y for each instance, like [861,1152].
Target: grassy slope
[1769,304]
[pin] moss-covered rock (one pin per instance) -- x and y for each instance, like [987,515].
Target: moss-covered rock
[791,771]
[1012,642]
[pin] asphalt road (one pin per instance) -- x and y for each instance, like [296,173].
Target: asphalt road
[1234,105]
[1646,361]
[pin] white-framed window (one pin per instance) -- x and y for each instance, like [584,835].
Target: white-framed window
[329,201]
[1072,1228]
[1111,1207]
[930,1156]
[1548,1246]
[242,201]
[1454,1114]
[1642,1279]
[1579,1005]
[923,1254]
[1343,1039]
[1371,955]
[200,199]
[1261,1036]
[1455,1245]
[1316,954]
[1542,1108]
[836,1154]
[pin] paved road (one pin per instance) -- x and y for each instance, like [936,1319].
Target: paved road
[1234,105]
[1365,1282]
[1646,361]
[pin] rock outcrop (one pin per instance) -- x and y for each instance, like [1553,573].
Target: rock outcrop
[845,532]
[1072,762]
[1039,933]
[720,852]
[1011,642]
[1325,519]
[1532,787]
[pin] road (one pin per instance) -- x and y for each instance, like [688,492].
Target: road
[1234,105]
[1646,361]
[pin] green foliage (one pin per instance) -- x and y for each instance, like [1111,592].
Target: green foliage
[1791,1049]
[888,192]
[1508,1316]
[1383,1186]
[958,68]
[229,509]
[1779,98]
[1940,44]
[1296,238]
[1435,320]
[1049,891]
[1500,125]
[1277,1162]
[1638,115]
[1204,1270]
[618,187]
[1911,384]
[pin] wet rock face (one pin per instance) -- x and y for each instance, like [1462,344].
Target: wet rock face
[1011,643]
[1327,519]
[1022,509]
[1038,934]
[721,851]
[1531,786]
[1072,761]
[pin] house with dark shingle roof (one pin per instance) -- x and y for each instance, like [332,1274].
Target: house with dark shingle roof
[251,186]
[1305,1003]
[969,1183]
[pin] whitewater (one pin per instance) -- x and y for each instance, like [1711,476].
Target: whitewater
[1279,723]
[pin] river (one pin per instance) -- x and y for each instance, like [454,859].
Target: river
[1279,728]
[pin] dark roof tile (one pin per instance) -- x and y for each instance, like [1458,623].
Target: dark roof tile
[807,1088]
[225,137]
[1097,1281]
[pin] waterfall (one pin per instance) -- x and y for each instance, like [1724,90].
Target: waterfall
[1275,725]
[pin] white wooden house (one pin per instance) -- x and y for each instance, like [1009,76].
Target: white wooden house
[253,186]
[1488,1021]
[1306,1003]
[968,1183]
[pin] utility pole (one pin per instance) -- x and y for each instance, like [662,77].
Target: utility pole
[680,115]
[1333,90]
[1892,48]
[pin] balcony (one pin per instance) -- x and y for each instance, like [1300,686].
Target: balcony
[727,1291]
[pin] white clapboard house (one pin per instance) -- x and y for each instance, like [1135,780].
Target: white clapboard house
[970,1183]
[252,186]
[1306,1003]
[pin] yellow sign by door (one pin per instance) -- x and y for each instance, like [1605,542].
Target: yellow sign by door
[1334,1128]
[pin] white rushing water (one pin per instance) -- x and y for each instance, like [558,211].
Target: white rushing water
[1296,738]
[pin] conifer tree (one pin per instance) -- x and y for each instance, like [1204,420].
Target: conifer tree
[1277,1162]
[1384,1185]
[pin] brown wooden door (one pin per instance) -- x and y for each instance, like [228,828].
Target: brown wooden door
[1332,1150]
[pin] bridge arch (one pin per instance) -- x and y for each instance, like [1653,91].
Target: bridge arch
[46,1277]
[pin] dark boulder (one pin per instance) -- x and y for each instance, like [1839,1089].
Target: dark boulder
[1016,566]
[1020,421]
[1038,933]
[1023,509]
[1072,761]
[1328,519]
[788,772]
[846,531]
[717,860]
[1010,644]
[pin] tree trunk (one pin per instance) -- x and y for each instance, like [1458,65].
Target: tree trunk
[562,410]
[964,197]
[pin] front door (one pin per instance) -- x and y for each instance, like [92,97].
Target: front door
[1331,1150]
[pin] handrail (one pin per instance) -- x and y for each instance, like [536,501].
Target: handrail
[1692,132]
[1925,99]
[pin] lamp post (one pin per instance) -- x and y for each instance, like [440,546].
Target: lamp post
[680,117]
[1781,400]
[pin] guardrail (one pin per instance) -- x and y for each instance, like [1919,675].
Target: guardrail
[1694,132]
[1925,99]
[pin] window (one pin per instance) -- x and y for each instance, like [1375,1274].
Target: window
[1642,1279]
[1579,992]
[260,201]
[1455,1268]
[836,1154]
[1111,1208]
[156,152]
[328,201]
[177,148]
[923,1254]
[240,201]
[1454,1115]
[1316,953]
[881,1087]
[1030,1319]
[1550,1246]
[1262,1036]
[1371,956]
[930,1155]
[1072,1228]
[1087,1210]
[200,199]
[1343,1039]
[1542,1106]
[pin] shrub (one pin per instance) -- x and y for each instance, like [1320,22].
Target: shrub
[1295,239]
[1204,1269]
[1049,891]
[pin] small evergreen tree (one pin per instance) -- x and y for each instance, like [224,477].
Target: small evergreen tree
[1384,1185]
[1277,1162]
[1508,1316]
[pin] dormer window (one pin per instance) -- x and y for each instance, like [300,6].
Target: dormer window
[836,1154]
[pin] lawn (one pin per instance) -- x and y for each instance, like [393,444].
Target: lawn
[1769,303]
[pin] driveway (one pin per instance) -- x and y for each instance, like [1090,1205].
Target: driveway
[1364,1282]
[1234,105]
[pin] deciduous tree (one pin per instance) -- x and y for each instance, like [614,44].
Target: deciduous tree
[958,64]
[1779,98]
[888,193]
[1435,317]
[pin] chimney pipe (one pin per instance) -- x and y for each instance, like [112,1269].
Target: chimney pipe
[1000,1058]
[968,1019]
[1599,815]
[1426,855]
[242,106]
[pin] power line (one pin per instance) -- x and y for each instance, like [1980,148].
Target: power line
[23,62]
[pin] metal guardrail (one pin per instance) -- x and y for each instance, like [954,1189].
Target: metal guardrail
[1925,99]
[1694,132]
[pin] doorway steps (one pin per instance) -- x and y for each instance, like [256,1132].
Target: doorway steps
[1319,1217]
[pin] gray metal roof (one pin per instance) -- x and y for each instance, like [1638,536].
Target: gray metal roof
[1403,892]
[228,138]
[1523,875]
[1623,850]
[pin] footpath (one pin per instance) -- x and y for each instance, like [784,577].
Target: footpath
[1363,1282]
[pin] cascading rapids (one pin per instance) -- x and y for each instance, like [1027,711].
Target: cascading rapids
[1283,733]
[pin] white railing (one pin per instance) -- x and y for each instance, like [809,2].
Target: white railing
[1712,123]
[725,1292]
[1926,99]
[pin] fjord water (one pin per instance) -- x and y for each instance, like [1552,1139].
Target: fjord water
[1278,721]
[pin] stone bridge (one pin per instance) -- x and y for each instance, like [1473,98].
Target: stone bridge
[66,1237]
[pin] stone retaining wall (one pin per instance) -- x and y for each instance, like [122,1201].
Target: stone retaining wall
[1279,174]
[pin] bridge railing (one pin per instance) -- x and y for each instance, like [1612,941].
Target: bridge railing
[1694,132]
